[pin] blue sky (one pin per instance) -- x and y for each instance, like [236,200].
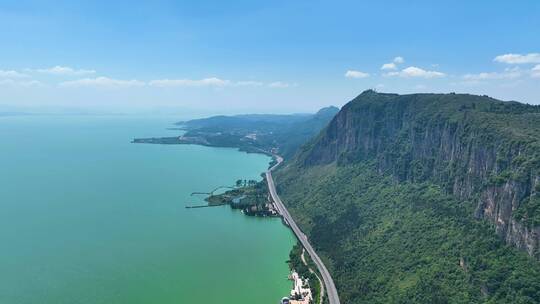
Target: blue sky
[261,56]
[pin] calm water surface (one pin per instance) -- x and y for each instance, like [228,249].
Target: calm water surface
[88,217]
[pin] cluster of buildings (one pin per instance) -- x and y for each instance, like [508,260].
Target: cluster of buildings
[260,210]
[301,293]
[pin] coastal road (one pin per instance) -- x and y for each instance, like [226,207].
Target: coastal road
[321,293]
[331,290]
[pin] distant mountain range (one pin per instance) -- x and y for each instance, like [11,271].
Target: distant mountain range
[282,134]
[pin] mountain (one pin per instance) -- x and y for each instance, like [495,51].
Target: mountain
[291,138]
[244,122]
[283,134]
[423,198]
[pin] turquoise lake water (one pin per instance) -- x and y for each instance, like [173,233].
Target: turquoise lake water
[88,217]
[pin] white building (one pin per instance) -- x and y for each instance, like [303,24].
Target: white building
[301,293]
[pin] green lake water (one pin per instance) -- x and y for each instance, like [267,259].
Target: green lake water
[88,217]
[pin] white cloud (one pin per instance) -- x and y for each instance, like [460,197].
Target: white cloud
[63,70]
[418,72]
[467,83]
[11,74]
[279,84]
[206,82]
[249,83]
[507,74]
[513,73]
[388,66]
[536,71]
[356,74]
[412,71]
[393,65]
[214,82]
[20,83]
[518,58]
[102,82]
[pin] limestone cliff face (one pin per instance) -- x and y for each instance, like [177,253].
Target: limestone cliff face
[477,148]
[498,204]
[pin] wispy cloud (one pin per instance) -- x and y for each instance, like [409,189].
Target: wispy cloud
[416,72]
[389,66]
[518,58]
[249,83]
[12,74]
[280,84]
[106,82]
[399,60]
[510,77]
[20,83]
[63,70]
[356,74]
[535,72]
[101,82]
[507,74]
[206,82]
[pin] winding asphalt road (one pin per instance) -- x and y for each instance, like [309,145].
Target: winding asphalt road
[331,290]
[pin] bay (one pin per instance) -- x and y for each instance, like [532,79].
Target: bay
[88,217]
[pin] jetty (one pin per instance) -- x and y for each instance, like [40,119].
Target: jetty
[212,192]
[203,206]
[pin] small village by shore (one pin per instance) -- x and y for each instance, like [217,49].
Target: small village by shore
[249,196]
[301,291]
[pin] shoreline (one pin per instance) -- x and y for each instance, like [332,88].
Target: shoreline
[272,211]
[182,140]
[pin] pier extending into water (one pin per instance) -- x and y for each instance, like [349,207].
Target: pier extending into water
[204,206]
[212,192]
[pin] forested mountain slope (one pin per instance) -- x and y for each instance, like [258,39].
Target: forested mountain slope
[286,133]
[413,198]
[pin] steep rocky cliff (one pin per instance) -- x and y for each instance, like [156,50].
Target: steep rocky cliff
[476,148]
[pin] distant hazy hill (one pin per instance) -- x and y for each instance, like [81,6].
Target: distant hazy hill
[413,198]
[255,132]
[241,123]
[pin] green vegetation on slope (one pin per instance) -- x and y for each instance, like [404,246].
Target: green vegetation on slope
[407,198]
[388,242]
[257,132]
[296,263]
[410,199]
[464,143]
